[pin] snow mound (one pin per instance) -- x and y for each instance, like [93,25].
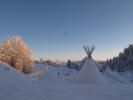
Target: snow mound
[121,78]
[108,73]
[49,73]
[90,73]
[113,76]
[10,75]
[109,76]
[15,85]
[74,73]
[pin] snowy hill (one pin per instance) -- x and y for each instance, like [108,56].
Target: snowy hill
[15,85]
[59,87]
[10,75]
[53,86]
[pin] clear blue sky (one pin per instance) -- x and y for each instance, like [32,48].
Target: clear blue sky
[57,29]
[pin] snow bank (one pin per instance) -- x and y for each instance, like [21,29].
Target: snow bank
[90,73]
[109,76]
[15,85]
[108,73]
[73,73]
[113,76]
[10,75]
[121,78]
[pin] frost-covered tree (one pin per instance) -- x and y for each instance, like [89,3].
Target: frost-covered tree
[41,60]
[124,62]
[89,50]
[14,52]
[69,64]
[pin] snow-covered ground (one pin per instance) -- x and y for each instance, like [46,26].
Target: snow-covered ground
[53,84]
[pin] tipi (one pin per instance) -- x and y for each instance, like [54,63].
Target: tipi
[89,72]
[108,72]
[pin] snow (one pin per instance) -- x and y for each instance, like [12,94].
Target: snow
[74,73]
[16,86]
[114,76]
[90,73]
[8,74]
[109,71]
[109,76]
[92,92]
[63,70]
[123,79]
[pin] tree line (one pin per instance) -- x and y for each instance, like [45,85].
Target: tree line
[124,62]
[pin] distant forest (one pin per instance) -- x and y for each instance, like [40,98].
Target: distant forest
[124,62]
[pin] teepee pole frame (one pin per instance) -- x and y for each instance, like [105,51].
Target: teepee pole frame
[89,50]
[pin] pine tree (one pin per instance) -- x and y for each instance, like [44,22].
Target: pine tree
[69,64]
[124,62]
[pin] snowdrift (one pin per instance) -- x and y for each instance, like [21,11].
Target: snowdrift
[15,85]
[10,75]
[49,73]
[108,73]
[120,78]
[114,76]
[90,73]
[73,73]
[109,76]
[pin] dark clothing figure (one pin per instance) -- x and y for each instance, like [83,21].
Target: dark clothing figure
[58,73]
[131,80]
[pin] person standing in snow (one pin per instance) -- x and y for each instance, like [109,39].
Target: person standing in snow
[131,79]
[58,73]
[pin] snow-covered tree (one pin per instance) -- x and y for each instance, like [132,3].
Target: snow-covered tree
[14,52]
[124,61]
[89,50]
[69,64]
